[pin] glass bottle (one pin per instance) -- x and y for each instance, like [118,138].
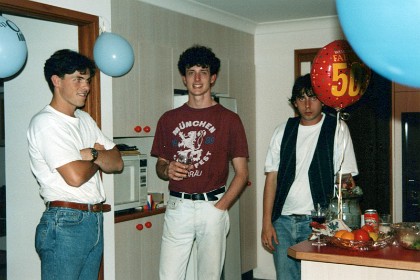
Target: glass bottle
[350,206]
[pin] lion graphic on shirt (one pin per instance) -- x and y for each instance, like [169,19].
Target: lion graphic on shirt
[191,144]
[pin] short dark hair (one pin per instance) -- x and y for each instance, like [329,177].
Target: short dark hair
[198,56]
[302,86]
[66,61]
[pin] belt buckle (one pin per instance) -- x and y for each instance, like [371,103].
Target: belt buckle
[195,196]
[96,207]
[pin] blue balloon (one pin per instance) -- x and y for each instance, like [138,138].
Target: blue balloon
[13,49]
[113,55]
[385,35]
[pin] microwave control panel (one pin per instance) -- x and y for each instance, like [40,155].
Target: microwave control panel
[143,179]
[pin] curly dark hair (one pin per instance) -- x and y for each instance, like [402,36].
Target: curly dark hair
[67,62]
[302,86]
[198,56]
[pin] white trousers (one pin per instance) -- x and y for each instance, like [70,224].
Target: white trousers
[186,221]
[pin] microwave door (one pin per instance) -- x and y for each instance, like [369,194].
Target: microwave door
[127,185]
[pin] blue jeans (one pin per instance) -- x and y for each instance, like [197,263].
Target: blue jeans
[290,230]
[70,244]
[186,221]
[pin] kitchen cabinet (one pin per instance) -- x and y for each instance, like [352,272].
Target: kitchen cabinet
[137,248]
[328,262]
[142,95]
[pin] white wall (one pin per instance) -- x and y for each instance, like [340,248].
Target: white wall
[28,92]
[24,96]
[274,59]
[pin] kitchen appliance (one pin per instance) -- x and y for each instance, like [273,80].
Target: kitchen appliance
[131,184]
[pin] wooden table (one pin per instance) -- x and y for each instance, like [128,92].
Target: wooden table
[328,262]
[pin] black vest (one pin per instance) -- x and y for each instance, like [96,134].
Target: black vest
[321,170]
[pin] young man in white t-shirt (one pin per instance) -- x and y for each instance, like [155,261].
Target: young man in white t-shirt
[300,165]
[67,150]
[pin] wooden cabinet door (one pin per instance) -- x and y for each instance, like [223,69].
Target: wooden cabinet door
[127,250]
[141,96]
[137,248]
[150,246]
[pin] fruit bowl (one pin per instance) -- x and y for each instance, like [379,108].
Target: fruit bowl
[407,235]
[382,242]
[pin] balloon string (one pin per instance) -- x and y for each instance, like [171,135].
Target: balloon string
[340,128]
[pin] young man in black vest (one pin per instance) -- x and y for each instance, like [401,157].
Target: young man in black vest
[303,156]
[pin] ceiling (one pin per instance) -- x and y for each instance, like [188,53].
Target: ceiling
[268,11]
[249,15]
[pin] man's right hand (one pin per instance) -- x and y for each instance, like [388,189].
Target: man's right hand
[268,236]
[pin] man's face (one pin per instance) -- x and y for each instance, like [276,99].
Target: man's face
[309,108]
[73,89]
[198,80]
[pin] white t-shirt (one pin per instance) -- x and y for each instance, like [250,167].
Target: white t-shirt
[299,200]
[56,139]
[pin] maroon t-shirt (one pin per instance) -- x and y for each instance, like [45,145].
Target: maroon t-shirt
[211,137]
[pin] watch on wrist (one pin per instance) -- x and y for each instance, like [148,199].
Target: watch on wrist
[94,154]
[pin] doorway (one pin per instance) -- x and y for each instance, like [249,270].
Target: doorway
[86,30]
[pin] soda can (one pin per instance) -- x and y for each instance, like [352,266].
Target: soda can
[372,218]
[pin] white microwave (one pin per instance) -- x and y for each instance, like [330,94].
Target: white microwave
[130,186]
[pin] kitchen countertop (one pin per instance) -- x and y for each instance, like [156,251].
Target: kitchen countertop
[136,214]
[390,257]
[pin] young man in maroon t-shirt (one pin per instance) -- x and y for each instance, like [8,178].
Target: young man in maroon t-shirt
[194,145]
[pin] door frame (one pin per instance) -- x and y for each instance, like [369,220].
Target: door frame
[88,31]
[304,56]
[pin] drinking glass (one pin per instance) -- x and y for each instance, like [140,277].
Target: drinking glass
[385,223]
[184,159]
[319,216]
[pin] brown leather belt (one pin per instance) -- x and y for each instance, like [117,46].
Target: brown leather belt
[99,207]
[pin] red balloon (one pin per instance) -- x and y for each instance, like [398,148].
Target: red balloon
[339,78]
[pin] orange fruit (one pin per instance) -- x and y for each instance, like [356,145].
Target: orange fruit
[348,236]
[339,233]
